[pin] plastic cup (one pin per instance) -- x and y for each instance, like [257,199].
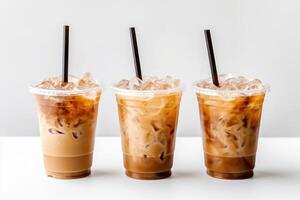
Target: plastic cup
[230,123]
[67,121]
[148,121]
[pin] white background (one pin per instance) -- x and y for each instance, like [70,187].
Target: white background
[257,38]
[274,179]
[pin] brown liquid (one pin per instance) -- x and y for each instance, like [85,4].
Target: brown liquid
[231,127]
[67,129]
[148,131]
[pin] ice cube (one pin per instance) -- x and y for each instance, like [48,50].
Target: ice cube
[67,86]
[228,82]
[255,84]
[86,81]
[123,84]
[134,83]
[149,83]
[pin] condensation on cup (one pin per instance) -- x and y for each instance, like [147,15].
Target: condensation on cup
[230,119]
[148,115]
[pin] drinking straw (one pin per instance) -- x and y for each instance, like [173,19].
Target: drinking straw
[135,52]
[65,67]
[211,58]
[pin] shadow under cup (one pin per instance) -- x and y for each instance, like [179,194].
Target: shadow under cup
[230,124]
[67,121]
[148,121]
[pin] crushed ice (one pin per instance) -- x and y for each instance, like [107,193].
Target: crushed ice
[149,83]
[228,82]
[56,83]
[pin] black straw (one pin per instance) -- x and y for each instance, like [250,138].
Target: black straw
[65,67]
[211,57]
[135,52]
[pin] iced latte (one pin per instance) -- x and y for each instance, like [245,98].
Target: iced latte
[67,117]
[230,119]
[148,114]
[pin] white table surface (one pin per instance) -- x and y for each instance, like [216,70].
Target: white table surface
[277,174]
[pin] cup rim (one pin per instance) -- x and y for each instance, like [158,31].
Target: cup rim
[213,92]
[54,92]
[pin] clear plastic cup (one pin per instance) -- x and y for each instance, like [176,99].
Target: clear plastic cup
[67,121]
[148,121]
[230,121]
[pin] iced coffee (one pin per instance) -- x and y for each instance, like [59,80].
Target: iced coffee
[230,119]
[67,120]
[148,114]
